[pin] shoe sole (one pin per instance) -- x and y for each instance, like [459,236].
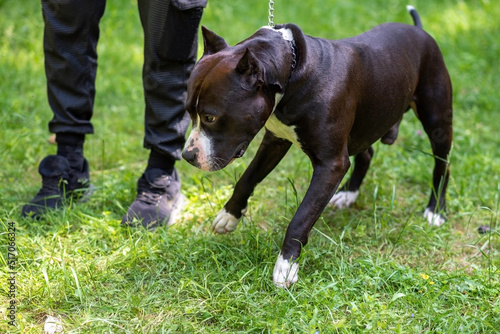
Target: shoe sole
[80,195]
[177,208]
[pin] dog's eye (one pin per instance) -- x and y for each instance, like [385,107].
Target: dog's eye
[209,119]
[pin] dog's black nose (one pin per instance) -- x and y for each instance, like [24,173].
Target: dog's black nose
[191,156]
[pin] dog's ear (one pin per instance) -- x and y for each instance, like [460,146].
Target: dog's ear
[247,64]
[212,43]
[249,67]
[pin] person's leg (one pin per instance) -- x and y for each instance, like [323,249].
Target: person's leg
[170,50]
[70,39]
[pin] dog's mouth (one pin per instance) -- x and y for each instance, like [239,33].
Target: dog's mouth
[240,151]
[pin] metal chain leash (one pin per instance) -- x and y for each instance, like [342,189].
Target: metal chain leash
[271,13]
[271,24]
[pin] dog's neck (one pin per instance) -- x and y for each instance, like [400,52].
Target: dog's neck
[277,70]
[287,36]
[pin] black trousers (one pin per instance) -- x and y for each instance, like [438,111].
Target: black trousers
[170,48]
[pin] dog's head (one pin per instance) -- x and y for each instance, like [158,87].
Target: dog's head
[228,100]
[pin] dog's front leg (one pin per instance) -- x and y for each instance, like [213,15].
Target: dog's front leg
[326,178]
[270,153]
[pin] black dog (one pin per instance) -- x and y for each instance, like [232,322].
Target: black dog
[331,98]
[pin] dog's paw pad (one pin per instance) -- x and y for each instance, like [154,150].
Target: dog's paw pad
[344,199]
[225,222]
[434,219]
[284,273]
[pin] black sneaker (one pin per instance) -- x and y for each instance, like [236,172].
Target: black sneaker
[59,181]
[158,200]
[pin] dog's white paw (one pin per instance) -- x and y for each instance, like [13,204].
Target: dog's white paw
[225,222]
[434,219]
[343,199]
[284,273]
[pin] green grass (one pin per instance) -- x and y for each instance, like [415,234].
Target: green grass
[376,267]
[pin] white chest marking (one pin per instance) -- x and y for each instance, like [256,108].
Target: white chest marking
[279,129]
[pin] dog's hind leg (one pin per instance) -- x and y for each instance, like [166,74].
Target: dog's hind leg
[272,149]
[435,112]
[350,190]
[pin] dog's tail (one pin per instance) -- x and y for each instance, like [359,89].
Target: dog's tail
[415,16]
